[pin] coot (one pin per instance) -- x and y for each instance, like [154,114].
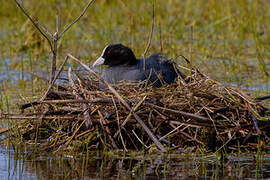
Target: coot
[123,65]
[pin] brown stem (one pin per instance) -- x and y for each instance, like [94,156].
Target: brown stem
[139,120]
[53,81]
[87,118]
[34,23]
[54,57]
[151,32]
[43,30]
[77,19]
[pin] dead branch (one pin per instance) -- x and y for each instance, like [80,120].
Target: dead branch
[54,36]
[77,19]
[151,135]
[35,23]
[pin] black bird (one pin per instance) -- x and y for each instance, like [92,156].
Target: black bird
[123,65]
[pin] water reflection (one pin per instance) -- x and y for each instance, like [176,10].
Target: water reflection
[97,165]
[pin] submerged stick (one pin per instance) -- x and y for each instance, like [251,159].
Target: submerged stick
[139,120]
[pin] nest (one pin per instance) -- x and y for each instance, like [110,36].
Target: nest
[127,116]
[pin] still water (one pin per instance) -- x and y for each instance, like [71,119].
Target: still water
[16,164]
[97,165]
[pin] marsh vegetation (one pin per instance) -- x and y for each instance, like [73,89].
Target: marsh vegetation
[226,40]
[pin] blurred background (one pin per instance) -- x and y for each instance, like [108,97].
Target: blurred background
[226,39]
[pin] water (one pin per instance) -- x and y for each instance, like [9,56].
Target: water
[15,165]
[9,75]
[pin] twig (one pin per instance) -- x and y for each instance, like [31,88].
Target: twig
[77,19]
[139,120]
[129,115]
[150,39]
[187,135]
[45,30]
[52,83]
[225,143]
[57,23]
[139,139]
[54,51]
[85,132]
[214,124]
[65,101]
[160,38]
[37,76]
[131,139]
[88,122]
[187,124]
[36,117]
[118,124]
[169,133]
[184,59]
[106,130]
[262,98]
[55,37]
[74,133]
[34,23]
[3,130]
[190,115]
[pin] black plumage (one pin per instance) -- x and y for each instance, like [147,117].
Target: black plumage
[123,65]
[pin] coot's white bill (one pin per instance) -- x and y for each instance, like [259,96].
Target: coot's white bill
[98,62]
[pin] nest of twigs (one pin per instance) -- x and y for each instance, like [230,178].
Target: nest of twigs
[126,116]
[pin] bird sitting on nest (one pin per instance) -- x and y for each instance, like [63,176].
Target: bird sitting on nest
[123,65]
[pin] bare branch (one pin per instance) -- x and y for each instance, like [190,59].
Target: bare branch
[78,18]
[45,29]
[55,38]
[119,97]
[34,23]
[57,23]
[52,83]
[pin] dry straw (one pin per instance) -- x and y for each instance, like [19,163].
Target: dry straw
[200,113]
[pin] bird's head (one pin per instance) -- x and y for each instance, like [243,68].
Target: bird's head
[115,54]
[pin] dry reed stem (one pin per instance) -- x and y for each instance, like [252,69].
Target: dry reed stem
[200,113]
[151,135]
[85,108]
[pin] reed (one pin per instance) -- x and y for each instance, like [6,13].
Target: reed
[202,113]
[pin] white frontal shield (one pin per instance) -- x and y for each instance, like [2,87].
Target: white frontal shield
[98,62]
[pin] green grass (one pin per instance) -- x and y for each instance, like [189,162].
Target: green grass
[227,39]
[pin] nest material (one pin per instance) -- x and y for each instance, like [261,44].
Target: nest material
[200,113]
